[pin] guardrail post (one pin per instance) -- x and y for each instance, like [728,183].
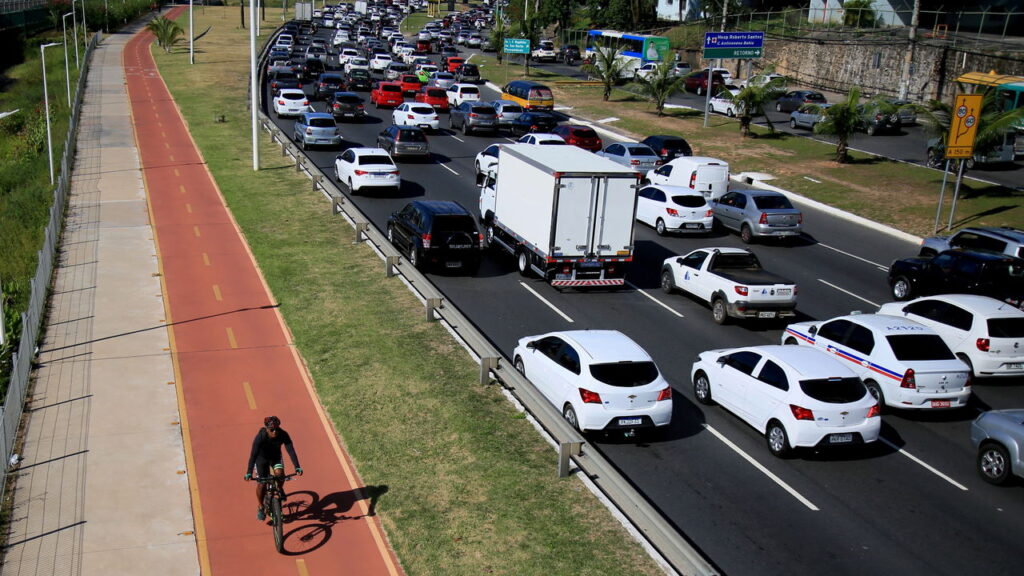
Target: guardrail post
[487,363]
[361,227]
[432,304]
[298,162]
[284,148]
[566,450]
[317,180]
[391,263]
[336,202]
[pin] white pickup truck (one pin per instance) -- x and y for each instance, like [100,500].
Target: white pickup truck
[732,281]
[545,52]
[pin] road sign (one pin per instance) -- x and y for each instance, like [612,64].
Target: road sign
[517,46]
[733,45]
[963,126]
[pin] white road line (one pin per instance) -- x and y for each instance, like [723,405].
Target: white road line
[763,470]
[457,138]
[655,300]
[542,299]
[925,466]
[447,168]
[847,292]
[854,256]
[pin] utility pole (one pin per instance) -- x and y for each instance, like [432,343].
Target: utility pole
[909,60]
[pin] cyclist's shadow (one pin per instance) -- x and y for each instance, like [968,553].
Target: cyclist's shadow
[314,517]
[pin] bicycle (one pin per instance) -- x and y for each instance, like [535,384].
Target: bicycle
[272,506]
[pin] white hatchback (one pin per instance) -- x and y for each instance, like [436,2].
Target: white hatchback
[459,93]
[984,332]
[674,209]
[291,102]
[380,62]
[796,397]
[361,168]
[487,160]
[415,114]
[600,380]
[904,364]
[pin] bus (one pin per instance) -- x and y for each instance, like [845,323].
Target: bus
[639,49]
[1009,95]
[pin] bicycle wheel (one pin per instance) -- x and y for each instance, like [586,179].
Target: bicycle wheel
[278,521]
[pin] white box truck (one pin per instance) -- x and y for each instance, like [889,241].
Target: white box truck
[564,213]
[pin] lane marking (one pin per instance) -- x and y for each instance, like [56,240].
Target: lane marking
[549,304]
[195,230]
[459,139]
[854,256]
[655,300]
[167,145]
[763,470]
[447,168]
[216,293]
[206,259]
[231,338]
[249,396]
[188,207]
[181,188]
[300,567]
[170,157]
[848,292]
[176,173]
[924,465]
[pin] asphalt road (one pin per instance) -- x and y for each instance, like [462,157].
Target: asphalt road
[909,504]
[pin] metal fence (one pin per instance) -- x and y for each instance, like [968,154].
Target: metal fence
[32,318]
[7,6]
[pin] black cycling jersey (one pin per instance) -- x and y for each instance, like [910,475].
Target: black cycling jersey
[267,450]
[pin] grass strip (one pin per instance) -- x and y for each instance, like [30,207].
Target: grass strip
[467,486]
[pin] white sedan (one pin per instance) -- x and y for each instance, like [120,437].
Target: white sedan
[538,138]
[600,380]
[723,104]
[674,209]
[291,102]
[415,114]
[380,62]
[361,168]
[795,396]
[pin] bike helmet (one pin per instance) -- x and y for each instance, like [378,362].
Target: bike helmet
[272,421]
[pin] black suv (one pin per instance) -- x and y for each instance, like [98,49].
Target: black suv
[437,232]
[569,54]
[328,84]
[960,272]
[346,105]
[668,147]
[359,79]
[533,121]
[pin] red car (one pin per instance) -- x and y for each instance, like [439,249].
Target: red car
[580,136]
[410,83]
[453,63]
[698,82]
[436,97]
[387,94]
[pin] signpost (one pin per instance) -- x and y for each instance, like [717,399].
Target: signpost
[733,45]
[517,46]
[963,128]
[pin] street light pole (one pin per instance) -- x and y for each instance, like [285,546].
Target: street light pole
[74,33]
[253,83]
[191,35]
[46,102]
[67,67]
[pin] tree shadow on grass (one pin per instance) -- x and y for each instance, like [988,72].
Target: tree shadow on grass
[967,220]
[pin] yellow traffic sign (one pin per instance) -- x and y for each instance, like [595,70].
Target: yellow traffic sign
[963,126]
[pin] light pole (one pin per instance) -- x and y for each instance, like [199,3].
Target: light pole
[253,83]
[74,32]
[191,35]
[67,71]
[46,102]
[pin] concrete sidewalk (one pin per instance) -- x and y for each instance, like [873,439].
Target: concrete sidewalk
[102,487]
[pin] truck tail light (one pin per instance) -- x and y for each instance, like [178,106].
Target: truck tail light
[874,411]
[982,344]
[672,212]
[426,240]
[908,380]
[665,394]
[741,290]
[589,397]
[763,219]
[801,413]
[693,180]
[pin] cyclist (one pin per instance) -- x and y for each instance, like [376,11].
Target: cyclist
[266,455]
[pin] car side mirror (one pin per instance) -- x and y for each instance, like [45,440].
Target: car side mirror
[813,330]
[531,345]
[905,310]
[679,261]
[721,360]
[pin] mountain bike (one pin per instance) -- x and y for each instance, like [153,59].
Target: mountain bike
[272,507]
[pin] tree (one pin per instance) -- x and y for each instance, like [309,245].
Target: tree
[606,66]
[841,120]
[498,35]
[167,32]
[993,122]
[660,85]
[750,101]
[859,14]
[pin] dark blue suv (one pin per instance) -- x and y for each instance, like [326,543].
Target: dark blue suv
[437,232]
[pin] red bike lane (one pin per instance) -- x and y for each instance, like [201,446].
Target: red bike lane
[235,363]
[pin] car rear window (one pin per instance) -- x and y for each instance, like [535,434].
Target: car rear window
[470,90]
[625,374]
[470,69]
[552,142]
[690,201]
[640,150]
[391,88]
[772,203]
[422,109]
[540,94]
[584,133]
[375,159]
[411,136]
[322,122]
[436,93]
[1006,327]
[513,108]
[815,97]
[911,347]
[349,99]
[834,390]
[293,96]
[454,223]
[483,110]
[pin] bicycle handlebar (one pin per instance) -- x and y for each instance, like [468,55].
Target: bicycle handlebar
[272,478]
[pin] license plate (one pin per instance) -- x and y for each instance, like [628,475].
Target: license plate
[784,291]
[840,438]
[1014,366]
[453,264]
[693,225]
[590,264]
[630,421]
[940,404]
[425,126]
[766,314]
[379,175]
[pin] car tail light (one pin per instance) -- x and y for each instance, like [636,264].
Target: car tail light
[426,240]
[800,218]
[665,394]
[589,397]
[709,213]
[874,411]
[969,380]
[361,172]
[410,116]
[361,107]
[280,103]
[982,344]
[693,180]
[305,102]
[741,290]
[908,380]
[473,115]
[664,151]
[763,219]
[801,413]
[672,212]
[634,162]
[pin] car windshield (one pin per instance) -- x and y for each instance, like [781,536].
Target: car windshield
[625,374]
[834,390]
[1006,327]
[911,347]
[322,122]
[772,203]
[375,159]
[640,150]
[690,201]
[469,69]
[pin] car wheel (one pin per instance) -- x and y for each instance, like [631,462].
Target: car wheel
[700,90]
[792,123]
[778,441]
[303,144]
[790,342]
[519,365]
[970,365]
[668,284]
[391,235]
[778,107]
[702,388]
[570,416]
[718,311]
[876,391]
[337,176]
[871,129]
[746,235]
[351,188]
[730,113]
[451,123]
[465,129]
[414,257]
[994,463]
[523,263]
[901,288]
[660,228]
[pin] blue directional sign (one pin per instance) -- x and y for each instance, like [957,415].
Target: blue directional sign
[733,44]
[517,46]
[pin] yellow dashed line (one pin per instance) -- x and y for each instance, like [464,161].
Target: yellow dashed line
[300,567]
[249,396]
[231,338]
[206,259]
[195,230]
[170,157]
[216,293]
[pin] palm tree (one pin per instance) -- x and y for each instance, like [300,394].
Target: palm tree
[750,101]
[660,85]
[841,120]
[167,32]
[993,123]
[607,66]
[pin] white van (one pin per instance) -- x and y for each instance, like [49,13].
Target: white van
[709,176]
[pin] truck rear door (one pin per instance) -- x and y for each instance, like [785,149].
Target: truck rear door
[573,218]
[615,213]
